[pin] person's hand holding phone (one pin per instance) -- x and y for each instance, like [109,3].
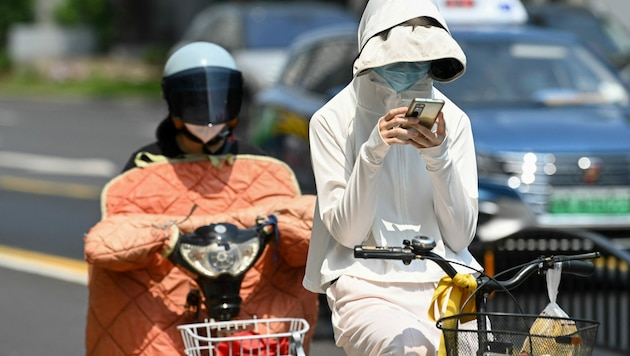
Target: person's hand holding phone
[427,111]
[425,137]
[414,124]
[394,127]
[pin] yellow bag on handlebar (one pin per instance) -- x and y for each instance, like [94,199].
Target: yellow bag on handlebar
[448,298]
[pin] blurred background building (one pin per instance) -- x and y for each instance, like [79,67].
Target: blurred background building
[33,29]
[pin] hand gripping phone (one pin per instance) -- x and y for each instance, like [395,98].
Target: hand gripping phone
[426,110]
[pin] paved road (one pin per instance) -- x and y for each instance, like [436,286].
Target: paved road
[46,316]
[40,315]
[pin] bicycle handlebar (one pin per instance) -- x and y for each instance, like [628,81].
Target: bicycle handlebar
[404,254]
[571,264]
[421,247]
[385,253]
[579,268]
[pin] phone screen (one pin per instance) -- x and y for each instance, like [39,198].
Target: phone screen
[426,110]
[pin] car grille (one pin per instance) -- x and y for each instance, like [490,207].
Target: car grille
[538,176]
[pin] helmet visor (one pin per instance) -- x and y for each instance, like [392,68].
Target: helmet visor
[204,95]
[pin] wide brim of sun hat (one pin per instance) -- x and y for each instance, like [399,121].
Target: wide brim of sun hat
[414,42]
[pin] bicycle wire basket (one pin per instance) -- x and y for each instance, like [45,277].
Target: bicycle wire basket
[269,337]
[517,334]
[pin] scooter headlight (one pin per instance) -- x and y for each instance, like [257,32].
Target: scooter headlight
[221,249]
[218,258]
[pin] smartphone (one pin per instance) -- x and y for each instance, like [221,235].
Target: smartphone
[426,110]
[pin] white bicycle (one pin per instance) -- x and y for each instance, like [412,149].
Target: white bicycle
[495,333]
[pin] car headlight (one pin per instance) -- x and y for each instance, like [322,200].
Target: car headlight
[518,169]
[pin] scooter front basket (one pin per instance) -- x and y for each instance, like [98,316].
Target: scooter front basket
[269,337]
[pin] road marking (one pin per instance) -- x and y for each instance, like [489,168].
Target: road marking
[38,186]
[67,269]
[90,167]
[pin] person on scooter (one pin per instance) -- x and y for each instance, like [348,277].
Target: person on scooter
[196,173]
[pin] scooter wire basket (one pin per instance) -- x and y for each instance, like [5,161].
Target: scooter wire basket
[268,337]
[517,334]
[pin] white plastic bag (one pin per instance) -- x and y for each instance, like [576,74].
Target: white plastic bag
[544,331]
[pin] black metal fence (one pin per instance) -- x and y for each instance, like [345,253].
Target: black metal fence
[604,297]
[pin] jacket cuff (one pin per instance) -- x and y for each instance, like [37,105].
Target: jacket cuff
[375,147]
[436,157]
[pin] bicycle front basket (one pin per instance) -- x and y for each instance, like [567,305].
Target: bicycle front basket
[513,334]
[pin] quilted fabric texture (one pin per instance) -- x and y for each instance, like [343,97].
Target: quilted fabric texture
[137,297]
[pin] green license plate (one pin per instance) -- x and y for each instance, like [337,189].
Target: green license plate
[596,201]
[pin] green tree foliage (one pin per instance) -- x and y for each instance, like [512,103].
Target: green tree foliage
[12,11]
[96,14]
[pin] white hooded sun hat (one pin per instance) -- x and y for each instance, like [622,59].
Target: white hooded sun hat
[388,35]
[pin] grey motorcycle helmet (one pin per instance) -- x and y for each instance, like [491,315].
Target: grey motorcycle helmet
[202,85]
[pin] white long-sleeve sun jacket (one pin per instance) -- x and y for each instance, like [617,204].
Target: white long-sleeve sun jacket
[372,193]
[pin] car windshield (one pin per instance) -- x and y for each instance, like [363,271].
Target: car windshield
[604,33]
[607,35]
[502,72]
[272,29]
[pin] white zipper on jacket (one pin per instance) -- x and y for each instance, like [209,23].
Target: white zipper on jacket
[402,168]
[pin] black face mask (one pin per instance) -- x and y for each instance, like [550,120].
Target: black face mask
[204,95]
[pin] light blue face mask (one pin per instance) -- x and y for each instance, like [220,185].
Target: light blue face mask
[403,75]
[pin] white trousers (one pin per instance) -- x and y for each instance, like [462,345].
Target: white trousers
[380,318]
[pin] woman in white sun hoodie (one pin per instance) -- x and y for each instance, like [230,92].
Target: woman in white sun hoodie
[379,183]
